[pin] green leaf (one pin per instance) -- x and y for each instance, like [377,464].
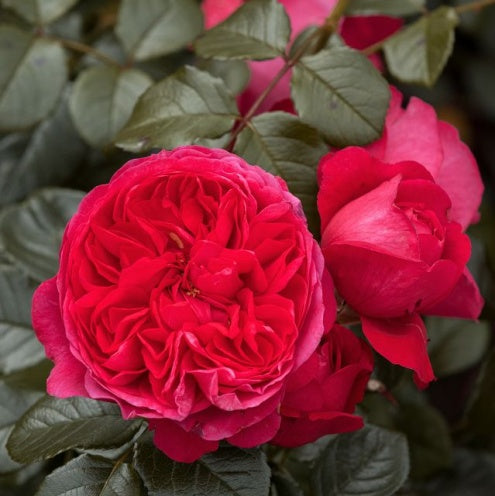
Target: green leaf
[385,7]
[340,92]
[229,471]
[19,347]
[32,77]
[285,146]
[187,106]
[258,30]
[283,484]
[455,344]
[419,52]
[150,28]
[473,474]
[31,231]
[430,444]
[235,73]
[40,11]
[369,462]
[55,425]
[102,101]
[481,411]
[16,396]
[48,156]
[88,475]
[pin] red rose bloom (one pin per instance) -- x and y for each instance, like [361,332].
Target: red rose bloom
[322,394]
[189,290]
[393,251]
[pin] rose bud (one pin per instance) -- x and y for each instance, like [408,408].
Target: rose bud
[393,251]
[189,290]
[322,394]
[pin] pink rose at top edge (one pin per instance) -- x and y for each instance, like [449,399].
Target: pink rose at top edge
[358,32]
[190,292]
[393,217]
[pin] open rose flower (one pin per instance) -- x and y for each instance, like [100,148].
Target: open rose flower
[322,394]
[357,31]
[393,250]
[189,291]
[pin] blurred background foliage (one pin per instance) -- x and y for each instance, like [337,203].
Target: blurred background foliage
[57,143]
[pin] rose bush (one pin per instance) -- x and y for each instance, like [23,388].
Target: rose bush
[392,245]
[322,394]
[189,292]
[357,31]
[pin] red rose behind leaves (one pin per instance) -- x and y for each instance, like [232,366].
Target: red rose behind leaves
[322,394]
[189,291]
[393,250]
[357,31]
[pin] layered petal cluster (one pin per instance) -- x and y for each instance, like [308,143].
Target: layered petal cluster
[189,292]
[394,250]
[322,394]
[357,31]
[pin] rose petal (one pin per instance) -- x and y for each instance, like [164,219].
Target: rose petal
[298,431]
[459,176]
[353,172]
[465,300]
[384,227]
[176,443]
[379,285]
[257,434]
[402,341]
[67,376]
[362,31]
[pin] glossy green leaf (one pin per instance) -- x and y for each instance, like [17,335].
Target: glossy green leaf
[472,474]
[385,7]
[102,101]
[19,347]
[283,484]
[187,106]
[368,462]
[17,394]
[285,146]
[55,425]
[88,475]
[229,471]
[456,344]
[150,28]
[235,73]
[40,11]
[430,444]
[31,231]
[48,156]
[32,77]
[481,411]
[259,30]
[419,52]
[339,92]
